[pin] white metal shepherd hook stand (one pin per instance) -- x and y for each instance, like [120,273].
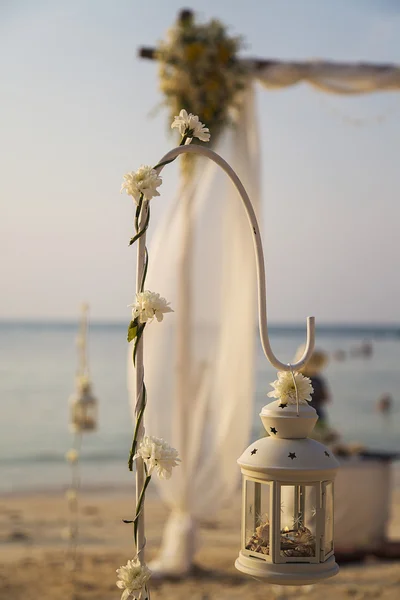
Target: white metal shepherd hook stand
[262,303]
[262,297]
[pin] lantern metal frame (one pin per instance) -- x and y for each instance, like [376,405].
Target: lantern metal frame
[83,409]
[269,462]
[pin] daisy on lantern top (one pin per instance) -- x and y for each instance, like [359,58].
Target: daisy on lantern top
[285,388]
[144,181]
[149,305]
[190,125]
[158,455]
[132,578]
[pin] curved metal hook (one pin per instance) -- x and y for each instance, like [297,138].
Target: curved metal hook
[262,296]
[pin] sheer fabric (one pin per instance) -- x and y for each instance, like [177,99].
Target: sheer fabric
[336,78]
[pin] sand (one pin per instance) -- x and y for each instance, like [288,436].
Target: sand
[33,555]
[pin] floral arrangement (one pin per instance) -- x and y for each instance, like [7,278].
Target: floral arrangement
[199,68]
[291,388]
[151,454]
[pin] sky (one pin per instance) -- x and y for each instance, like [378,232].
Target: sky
[78,111]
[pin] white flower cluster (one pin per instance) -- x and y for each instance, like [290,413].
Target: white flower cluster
[158,455]
[149,305]
[285,389]
[190,125]
[132,578]
[144,181]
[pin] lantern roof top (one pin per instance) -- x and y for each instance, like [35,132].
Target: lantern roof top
[288,420]
[287,453]
[288,459]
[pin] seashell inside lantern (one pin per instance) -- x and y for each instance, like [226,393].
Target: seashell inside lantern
[287,515]
[83,407]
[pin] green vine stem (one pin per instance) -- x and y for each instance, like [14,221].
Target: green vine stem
[137,425]
[139,508]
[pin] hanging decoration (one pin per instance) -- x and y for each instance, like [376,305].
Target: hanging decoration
[287,512]
[83,407]
[83,418]
[284,542]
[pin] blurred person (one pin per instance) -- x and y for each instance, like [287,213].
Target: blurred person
[364,350]
[384,403]
[339,355]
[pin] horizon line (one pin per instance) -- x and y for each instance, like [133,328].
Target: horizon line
[115,322]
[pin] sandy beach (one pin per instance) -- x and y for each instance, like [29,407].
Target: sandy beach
[33,554]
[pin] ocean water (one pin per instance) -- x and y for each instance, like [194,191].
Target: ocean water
[37,366]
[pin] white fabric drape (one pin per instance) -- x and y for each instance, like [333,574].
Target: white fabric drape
[336,78]
[199,361]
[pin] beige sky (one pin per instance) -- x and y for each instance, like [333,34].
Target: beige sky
[75,117]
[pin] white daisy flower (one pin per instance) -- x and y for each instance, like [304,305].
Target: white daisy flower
[189,125]
[132,578]
[158,455]
[149,305]
[144,181]
[285,389]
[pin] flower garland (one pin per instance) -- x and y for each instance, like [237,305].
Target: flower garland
[153,454]
[199,68]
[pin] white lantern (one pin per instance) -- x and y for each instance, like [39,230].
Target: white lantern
[287,513]
[83,408]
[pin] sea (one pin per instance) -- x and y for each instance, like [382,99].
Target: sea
[37,370]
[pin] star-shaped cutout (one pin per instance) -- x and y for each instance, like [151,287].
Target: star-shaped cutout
[292,455]
[254,451]
[273,430]
[282,405]
[327,453]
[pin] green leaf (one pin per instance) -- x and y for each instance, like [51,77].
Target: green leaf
[132,331]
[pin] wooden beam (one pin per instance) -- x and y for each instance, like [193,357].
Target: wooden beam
[260,63]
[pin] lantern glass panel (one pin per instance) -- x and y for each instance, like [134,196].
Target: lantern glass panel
[298,521]
[257,518]
[328,537]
